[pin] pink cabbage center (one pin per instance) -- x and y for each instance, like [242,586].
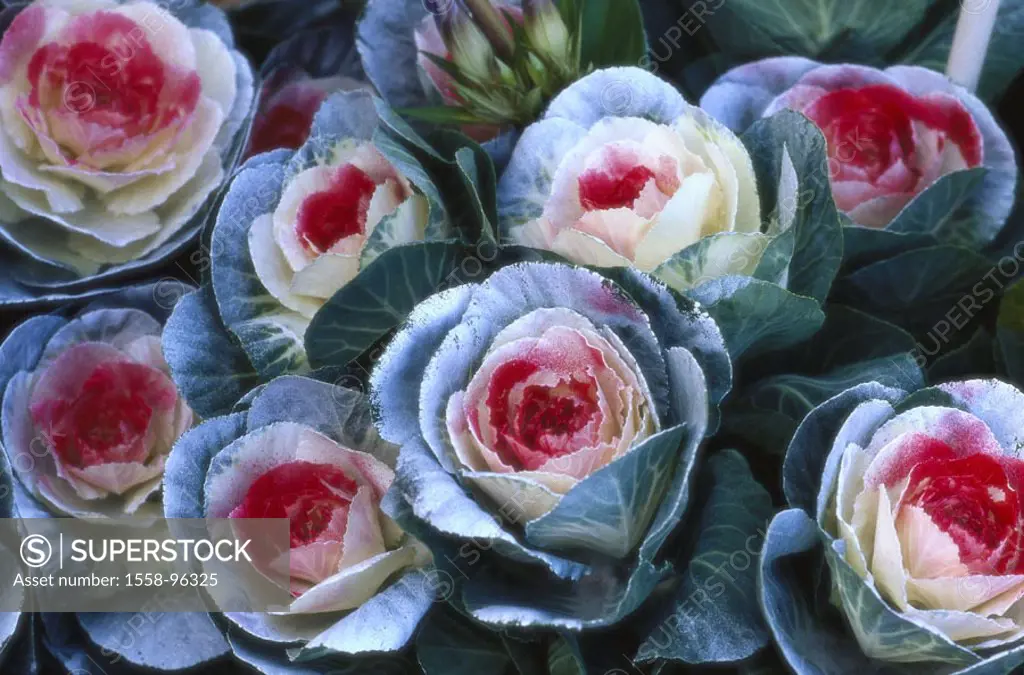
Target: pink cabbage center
[621,178]
[108,420]
[971,500]
[872,127]
[327,217]
[103,79]
[308,494]
[545,420]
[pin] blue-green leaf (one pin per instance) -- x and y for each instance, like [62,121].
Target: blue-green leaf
[724,625]
[791,164]
[270,333]
[944,211]
[756,316]
[211,370]
[450,644]
[918,289]
[384,623]
[612,33]
[185,472]
[809,450]
[609,511]
[378,300]
[811,635]
[166,641]
[1010,331]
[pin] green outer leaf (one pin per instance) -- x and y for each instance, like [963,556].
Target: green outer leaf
[599,600]
[612,33]
[378,300]
[410,167]
[977,355]
[882,632]
[840,29]
[808,453]
[865,245]
[848,336]
[937,211]
[812,637]
[467,179]
[479,187]
[756,316]
[401,130]
[24,346]
[1010,331]
[715,616]
[450,644]
[210,368]
[562,659]
[609,511]
[813,242]
[921,288]
[770,410]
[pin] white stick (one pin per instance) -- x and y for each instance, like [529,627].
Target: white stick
[970,42]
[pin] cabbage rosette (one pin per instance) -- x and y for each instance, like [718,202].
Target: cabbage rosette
[622,172]
[90,413]
[903,143]
[307,451]
[549,420]
[121,121]
[297,226]
[915,502]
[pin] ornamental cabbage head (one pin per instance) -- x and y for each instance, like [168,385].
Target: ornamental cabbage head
[549,420]
[621,172]
[297,226]
[90,411]
[916,503]
[119,121]
[891,134]
[307,451]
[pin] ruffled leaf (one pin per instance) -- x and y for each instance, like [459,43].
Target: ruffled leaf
[168,641]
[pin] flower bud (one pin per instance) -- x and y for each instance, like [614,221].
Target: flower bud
[546,31]
[470,50]
[491,23]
